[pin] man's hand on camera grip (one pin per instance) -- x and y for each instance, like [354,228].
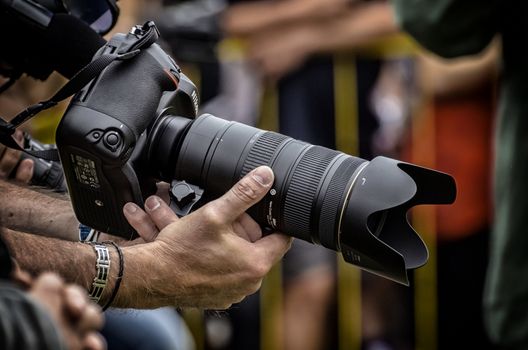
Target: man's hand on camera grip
[213,257]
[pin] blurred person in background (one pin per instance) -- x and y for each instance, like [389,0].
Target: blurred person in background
[458,123]
[453,28]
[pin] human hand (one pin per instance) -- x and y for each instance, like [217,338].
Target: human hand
[147,223]
[140,221]
[76,317]
[276,52]
[211,258]
[10,158]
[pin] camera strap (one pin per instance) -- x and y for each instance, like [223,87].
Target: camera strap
[79,80]
[148,35]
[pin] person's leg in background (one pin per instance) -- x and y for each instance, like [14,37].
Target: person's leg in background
[160,329]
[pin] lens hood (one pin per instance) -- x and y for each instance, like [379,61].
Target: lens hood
[374,231]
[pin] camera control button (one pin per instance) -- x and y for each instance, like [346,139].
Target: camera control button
[183,194]
[94,135]
[112,139]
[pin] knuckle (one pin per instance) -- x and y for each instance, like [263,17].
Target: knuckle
[76,291]
[226,306]
[149,234]
[252,286]
[246,190]
[240,298]
[50,282]
[259,270]
[255,287]
[95,316]
[253,272]
[51,278]
[212,216]
[222,305]
[141,223]
[163,212]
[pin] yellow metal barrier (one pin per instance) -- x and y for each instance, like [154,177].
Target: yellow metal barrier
[347,140]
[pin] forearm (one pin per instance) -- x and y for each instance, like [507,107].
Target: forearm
[440,77]
[249,17]
[43,213]
[357,26]
[75,262]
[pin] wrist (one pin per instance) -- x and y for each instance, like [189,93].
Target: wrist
[69,225]
[120,274]
[107,271]
[147,277]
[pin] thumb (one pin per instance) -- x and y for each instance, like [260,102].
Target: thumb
[244,194]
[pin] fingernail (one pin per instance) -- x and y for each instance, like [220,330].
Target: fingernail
[131,208]
[263,175]
[152,203]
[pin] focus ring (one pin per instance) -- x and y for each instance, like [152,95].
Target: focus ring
[302,189]
[333,197]
[262,151]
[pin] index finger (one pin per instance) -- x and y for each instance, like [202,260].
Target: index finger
[274,246]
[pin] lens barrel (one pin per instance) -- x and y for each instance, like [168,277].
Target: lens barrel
[310,181]
[319,195]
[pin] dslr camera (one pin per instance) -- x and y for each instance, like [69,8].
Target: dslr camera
[136,124]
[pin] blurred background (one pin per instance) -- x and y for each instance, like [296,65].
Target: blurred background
[336,73]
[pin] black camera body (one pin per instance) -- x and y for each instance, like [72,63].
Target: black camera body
[103,135]
[136,124]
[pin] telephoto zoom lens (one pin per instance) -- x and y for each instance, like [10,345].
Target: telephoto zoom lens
[320,195]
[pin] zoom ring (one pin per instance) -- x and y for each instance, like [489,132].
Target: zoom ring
[262,151]
[303,187]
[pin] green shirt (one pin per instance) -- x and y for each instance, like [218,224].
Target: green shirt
[452,28]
